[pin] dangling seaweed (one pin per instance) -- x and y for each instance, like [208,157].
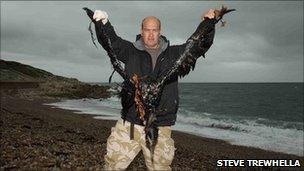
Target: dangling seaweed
[92,35]
[138,97]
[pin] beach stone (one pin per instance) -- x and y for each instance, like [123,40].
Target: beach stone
[60,140]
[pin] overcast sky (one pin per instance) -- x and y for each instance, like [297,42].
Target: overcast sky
[263,41]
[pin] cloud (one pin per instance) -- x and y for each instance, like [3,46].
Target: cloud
[262,37]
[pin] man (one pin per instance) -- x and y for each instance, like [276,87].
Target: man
[150,55]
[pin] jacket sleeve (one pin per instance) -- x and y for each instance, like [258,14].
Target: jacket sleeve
[199,48]
[205,41]
[119,45]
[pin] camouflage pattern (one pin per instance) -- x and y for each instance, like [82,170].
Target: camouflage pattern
[121,150]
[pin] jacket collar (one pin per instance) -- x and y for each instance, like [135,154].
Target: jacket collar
[138,44]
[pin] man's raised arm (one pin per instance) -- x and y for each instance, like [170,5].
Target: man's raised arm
[119,45]
[201,45]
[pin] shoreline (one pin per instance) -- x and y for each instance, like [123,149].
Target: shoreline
[180,127]
[50,138]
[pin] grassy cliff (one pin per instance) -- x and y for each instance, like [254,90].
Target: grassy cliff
[14,75]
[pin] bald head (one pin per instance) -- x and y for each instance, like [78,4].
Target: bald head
[150,32]
[151,19]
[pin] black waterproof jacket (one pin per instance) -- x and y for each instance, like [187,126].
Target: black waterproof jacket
[138,61]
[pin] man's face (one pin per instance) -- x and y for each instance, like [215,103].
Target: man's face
[150,33]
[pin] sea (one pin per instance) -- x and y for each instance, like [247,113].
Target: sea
[262,115]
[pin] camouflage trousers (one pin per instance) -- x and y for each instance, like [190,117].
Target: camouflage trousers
[121,150]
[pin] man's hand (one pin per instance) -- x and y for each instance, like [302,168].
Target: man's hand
[210,14]
[100,15]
